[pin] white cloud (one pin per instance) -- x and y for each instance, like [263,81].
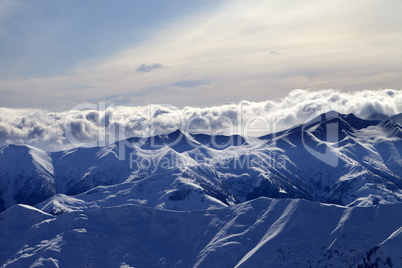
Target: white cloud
[47,129]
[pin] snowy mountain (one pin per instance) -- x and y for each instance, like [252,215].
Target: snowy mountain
[327,192]
[380,116]
[357,163]
[26,176]
[259,233]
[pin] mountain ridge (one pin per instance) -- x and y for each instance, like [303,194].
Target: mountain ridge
[235,169]
[263,231]
[326,193]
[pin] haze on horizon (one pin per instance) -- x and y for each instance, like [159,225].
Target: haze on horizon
[56,55]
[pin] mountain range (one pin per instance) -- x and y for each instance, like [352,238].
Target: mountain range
[327,192]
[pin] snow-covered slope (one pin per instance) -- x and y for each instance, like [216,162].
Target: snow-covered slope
[259,233]
[26,176]
[379,116]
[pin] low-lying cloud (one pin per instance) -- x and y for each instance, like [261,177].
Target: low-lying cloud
[89,123]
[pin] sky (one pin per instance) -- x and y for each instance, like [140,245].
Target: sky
[58,54]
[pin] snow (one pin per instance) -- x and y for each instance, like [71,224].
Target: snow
[262,232]
[274,230]
[182,200]
[368,157]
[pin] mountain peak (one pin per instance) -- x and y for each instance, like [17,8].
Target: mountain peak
[331,114]
[377,116]
[176,134]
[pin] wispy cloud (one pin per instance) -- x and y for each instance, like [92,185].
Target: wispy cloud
[146,68]
[190,83]
[274,53]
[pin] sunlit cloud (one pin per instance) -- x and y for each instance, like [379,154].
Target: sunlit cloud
[47,130]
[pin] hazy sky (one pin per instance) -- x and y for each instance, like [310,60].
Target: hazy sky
[56,54]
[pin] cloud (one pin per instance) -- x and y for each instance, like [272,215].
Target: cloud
[190,83]
[47,130]
[145,68]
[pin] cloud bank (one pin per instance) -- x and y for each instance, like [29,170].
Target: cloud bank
[89,123]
